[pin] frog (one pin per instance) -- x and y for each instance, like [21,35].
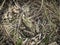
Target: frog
[28,23]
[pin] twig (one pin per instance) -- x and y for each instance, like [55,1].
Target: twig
[2,4]
[38,11]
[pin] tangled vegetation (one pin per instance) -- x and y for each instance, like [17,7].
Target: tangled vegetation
[29,22]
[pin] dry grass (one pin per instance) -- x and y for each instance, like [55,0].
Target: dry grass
[30,22]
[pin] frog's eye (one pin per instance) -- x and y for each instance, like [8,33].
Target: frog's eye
[23,15]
